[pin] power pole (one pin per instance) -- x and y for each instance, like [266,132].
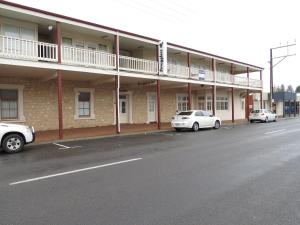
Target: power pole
[281,58]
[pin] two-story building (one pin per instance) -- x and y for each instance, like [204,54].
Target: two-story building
[58,73]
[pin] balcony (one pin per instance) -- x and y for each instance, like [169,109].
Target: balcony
[178,71]
[88,58]
[16,48]
[138,65]
[201,74]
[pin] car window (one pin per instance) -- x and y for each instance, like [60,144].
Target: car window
[207,114]
[185,113]
[199,113]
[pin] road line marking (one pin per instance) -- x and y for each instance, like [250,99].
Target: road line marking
[72,147]
[60,145]
[73,171]
[275,131]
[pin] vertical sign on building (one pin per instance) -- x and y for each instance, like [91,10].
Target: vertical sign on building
[163,66]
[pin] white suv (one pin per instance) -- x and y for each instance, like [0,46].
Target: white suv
[262,115]
[13,137]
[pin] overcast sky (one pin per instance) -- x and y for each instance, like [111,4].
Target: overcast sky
[241,30]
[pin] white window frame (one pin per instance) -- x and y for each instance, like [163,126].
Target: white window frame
[222,103]
[20,24]
[20,89]
[209,100]
[202,101]
[181,101]
[92,104]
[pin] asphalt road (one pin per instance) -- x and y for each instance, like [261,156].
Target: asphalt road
[242,175]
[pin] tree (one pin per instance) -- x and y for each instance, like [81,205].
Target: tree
[298,89]
[282,87]
[290,89]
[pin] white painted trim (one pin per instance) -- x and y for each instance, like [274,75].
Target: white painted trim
[180,94]
[148,97]
[129,93]
[96,72]
[92,112]
[20,88]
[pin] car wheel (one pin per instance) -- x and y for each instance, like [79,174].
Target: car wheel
[251,121]
[195,127]
[13,143]
[178,129]
[217,124]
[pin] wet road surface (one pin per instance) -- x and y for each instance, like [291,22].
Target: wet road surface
[247,174]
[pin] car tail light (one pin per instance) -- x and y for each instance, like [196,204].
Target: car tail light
[185,118]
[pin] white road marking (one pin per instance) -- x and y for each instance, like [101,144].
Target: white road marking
[73,171]
[275,131]
[60,145]
[66,147]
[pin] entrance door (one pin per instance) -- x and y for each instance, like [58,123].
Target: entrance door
[123,107]
[151,107]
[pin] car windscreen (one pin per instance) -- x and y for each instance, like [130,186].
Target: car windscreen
[186,113]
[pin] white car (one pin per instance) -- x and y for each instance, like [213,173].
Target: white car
[262,115]
[195,119]
[14,136]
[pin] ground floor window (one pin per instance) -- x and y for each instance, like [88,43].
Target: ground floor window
[182,102]
[8,104]
[84,103]
[208,103]
[222,102]
[201,103]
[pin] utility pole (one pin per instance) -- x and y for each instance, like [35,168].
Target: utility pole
[281,58]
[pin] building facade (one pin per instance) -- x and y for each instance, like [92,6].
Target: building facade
[58,72]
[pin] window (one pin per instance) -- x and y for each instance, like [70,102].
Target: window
[187,113]
[201,103]
[67,41]
[9,104]
[182,102]
[102,48]
[84,103]
[222,103]
[199,113]
[208,103]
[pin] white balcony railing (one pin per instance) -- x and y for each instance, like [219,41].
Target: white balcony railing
[88,58]
[243,81]
[224,78]
[178,71]
[255,83]
[138,65]
[17,48]
[201,74]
